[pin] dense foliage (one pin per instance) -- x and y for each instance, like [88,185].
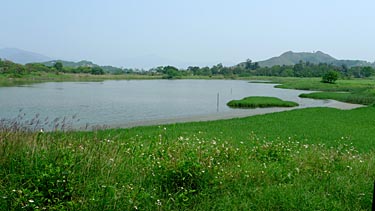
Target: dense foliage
[15,70]
[330,77]
[248,68]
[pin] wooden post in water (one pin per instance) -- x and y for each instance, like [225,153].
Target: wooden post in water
[217,104]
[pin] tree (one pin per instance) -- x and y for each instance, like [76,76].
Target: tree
[58,66]
[330,77]
[97,70]
[194,70]
[248,64]
[367,71]
[37,67]
[171,72]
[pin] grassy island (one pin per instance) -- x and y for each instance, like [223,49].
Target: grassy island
[260,102]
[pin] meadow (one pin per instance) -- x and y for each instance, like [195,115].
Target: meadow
[294,160]
[357,91]
[304,159]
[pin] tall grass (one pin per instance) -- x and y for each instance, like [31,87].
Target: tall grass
[172,168]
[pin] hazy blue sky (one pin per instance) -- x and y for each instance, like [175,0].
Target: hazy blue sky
[143,33]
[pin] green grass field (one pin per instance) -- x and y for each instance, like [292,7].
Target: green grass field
[358,91]
[304,159]
[260,102]
[309,159]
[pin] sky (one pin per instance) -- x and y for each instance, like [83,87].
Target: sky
[149,33]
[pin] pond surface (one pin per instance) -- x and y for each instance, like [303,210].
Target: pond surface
[138,102]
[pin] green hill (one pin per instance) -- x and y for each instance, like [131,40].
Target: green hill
[292,58]
[84,63]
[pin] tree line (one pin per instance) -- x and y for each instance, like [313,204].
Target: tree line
[248,68]
[18,70]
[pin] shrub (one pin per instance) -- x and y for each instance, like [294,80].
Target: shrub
[330,77]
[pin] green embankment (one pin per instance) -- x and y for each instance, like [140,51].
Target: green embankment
[260,102]
[297,160]
[358,91]
[39,77]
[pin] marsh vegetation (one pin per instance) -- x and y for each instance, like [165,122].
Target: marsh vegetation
[260,102]
[292,160]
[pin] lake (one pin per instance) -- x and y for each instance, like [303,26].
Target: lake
[139,102]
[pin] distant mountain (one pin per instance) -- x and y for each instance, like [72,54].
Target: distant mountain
[21,56]
[291,58]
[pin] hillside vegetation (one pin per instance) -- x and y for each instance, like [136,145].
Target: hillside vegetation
[292,58]
[288,64]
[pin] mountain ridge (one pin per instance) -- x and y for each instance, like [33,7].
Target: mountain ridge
[287,58]
[21,56]
[292,58]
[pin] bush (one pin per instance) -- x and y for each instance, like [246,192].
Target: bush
[330,77]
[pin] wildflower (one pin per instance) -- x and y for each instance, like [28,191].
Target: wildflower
[31,201]
[158,202]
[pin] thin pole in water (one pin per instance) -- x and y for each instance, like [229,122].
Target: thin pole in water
[217,102]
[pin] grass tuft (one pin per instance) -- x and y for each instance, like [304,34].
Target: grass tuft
[165,168]
[260,102]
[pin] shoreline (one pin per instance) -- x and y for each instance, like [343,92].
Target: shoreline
[236,113]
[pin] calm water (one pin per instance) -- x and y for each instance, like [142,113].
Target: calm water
[124,103]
